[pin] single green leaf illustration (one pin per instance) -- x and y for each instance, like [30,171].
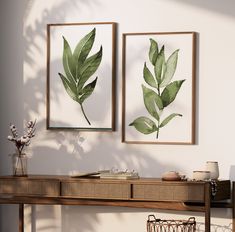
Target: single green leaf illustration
[148,77]
[168,119]
[171,65]
[153,51]
[79,68]
[87,90]
[164,92]
[159,65]
[152,102]
[144,125]
[68,62]
[169,93]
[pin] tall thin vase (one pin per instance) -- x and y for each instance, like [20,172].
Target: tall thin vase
[19,164]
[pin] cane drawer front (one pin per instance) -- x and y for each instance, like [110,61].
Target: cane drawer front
[30,187]
[95,190]
[166,192]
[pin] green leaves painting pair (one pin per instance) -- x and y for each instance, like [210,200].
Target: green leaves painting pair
[161,90]
[79,68]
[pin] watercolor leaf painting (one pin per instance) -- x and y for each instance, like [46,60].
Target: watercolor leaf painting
[159,90]
[79,68]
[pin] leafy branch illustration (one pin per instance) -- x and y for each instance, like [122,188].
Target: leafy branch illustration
[79,68]
[163,90]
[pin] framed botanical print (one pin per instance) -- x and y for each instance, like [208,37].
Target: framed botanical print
[81,76]
[159,88]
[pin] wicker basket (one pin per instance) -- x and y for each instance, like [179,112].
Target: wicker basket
[157,225]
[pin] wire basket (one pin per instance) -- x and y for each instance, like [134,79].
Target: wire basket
[157,225]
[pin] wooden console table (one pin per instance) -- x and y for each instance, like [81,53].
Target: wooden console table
[139,193]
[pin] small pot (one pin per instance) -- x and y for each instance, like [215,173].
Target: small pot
[213,168]
[171,176]
[201,175]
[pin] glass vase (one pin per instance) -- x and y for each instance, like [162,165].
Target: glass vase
[19,164]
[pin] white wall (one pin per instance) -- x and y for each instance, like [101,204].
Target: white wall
[23,97]
[11,89]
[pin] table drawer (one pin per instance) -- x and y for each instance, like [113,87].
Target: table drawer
[153,192]
[30,187]
[95,190]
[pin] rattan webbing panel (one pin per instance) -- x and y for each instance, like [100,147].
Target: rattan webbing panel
[160,192]
[96,190]
[30,187]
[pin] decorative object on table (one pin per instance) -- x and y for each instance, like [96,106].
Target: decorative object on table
[19,158]
[201,175]
[213,168]
[108,174]
[171,176]
[81,76]
[159,88]
[156,225]
[116,174]
[214,187]
[95,174]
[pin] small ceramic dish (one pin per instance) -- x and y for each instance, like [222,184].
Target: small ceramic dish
[171,176]
[201,175]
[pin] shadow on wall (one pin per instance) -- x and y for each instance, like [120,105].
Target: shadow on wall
[212,5]
[59,159]
[67,151]
[69,148]
[11,102]
[214,227]
[74,218]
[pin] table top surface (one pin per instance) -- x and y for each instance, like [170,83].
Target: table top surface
[97,179]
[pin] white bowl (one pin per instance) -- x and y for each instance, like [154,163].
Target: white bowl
[201,175]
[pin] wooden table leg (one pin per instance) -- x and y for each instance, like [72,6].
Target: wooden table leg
[21,217]
[233,205]
[207,207]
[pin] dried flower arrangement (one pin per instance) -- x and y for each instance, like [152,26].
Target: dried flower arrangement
[24,140]
[20,167]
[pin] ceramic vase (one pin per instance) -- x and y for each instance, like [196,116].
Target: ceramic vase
[213,168]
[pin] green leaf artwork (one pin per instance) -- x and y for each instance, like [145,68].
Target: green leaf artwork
[159,90]
[79,68]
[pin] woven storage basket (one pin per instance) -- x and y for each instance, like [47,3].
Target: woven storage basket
[157,225]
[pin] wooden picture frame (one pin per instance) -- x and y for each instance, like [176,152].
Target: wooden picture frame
[81,67]
[158,88]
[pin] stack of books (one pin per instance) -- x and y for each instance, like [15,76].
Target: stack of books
[109,174]
[119,175]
